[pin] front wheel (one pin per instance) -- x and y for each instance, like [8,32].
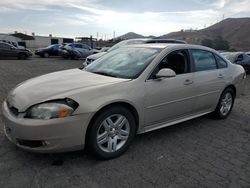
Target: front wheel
[225,104]
[46,55]
[22,56]
[111,132]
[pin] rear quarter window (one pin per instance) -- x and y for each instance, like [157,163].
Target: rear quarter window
[221,62]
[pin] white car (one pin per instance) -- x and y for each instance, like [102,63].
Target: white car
[129,91]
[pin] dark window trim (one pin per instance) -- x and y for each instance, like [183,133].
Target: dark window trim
[154,71]
[218,63]
[194,67]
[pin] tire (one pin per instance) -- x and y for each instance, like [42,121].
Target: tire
[225,104]
[22,56]
[106,140]
[46,55]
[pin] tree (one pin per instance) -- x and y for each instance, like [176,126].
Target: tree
[221,44]
[208,43]
[218,43]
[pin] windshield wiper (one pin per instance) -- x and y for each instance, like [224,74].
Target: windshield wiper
[105,74]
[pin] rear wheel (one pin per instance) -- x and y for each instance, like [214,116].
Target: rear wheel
[225,104]
[111,132]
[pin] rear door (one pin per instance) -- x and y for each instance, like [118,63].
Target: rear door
[209,79]
[6,51]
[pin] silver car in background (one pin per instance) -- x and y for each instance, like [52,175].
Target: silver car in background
[240,58]
[94,57]
[131,90]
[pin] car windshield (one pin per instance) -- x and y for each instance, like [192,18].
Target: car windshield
[125,42]
[230,56]
[124,62]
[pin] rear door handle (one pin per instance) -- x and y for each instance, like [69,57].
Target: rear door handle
[188,82]
[221,76]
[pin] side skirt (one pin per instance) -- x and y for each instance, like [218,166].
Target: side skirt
[169,123]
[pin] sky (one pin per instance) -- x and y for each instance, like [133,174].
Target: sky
[79,18]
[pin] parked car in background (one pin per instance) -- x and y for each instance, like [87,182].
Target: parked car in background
[240,58]
[93,57]
[51,50]
[7,51]
[248,53]
[77,51]
[13,43]
[131,90]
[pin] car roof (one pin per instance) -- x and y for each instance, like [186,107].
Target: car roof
[6,43]
[233,53]
[170,46]
[157,39]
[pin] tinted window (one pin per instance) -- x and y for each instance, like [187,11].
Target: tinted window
[240,56]
[203,60]
[86,46]
[220,62]
[78,46]
[4,46]
[178,61]
[1,46]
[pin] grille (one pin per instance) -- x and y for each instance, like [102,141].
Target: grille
[31,143]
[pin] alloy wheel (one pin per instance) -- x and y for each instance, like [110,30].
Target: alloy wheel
[226,103]
[113,133]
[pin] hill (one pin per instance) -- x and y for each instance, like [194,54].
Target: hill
[234,30]
[130,35]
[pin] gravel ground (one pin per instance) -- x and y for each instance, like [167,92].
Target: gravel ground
[199,153]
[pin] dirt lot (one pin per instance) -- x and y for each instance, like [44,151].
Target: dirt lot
[198,153]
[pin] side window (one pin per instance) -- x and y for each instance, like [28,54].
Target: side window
[221,62]
[240,58]
[86,46]
[78,46]
[178,61]
[203,60]
[5,46]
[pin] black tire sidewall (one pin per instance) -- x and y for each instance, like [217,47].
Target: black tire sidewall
[91,141]
[22,56]
[46,54]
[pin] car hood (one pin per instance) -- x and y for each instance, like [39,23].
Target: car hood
[50,86]
[96,56]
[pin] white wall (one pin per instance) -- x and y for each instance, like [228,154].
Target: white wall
[9,38]
[39,42]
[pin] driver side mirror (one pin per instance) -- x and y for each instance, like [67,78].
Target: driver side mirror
[165,73]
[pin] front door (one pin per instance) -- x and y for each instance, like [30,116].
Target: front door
[169,99]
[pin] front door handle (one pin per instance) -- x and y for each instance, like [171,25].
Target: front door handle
[188,82]
[221,76]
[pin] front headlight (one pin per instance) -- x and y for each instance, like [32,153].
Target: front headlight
[52,109]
